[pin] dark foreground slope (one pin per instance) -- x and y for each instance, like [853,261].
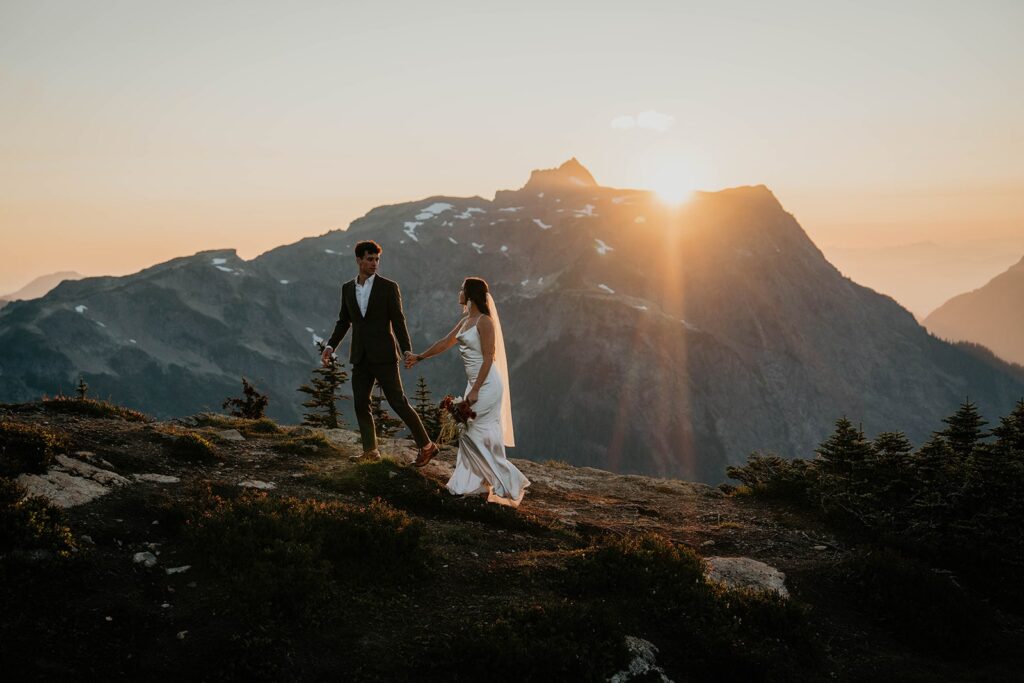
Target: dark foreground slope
[371,572]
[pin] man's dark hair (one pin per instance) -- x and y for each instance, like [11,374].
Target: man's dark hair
[367,247]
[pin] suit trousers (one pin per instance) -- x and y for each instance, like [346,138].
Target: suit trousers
[364,374]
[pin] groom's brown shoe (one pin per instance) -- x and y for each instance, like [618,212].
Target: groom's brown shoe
[426,454]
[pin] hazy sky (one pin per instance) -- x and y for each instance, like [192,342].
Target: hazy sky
[132,132]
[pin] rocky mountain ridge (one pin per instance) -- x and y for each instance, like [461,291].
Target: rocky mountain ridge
[642,337]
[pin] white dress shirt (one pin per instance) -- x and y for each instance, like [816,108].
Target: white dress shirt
[363,293]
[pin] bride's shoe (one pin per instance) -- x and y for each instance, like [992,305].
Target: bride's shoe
[426,454]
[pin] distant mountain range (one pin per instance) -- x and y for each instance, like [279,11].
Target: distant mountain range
[992,316]
[40,286]
[923,275]
[641,337]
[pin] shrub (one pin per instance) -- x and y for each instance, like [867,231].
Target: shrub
[26,448]
[773,476]
[557,464]
[646,565]
[557,641]
[30,523]
[926,610]
[175,510]
[251,405]
[246,427]
[219,421]
[263,425]
[310,444]
[658,591]
[408,489]
[91,407]
[284,558]
[193,447]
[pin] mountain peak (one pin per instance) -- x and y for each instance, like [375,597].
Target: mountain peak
[571,174]
[42,284]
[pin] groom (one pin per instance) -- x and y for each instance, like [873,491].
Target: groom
[372,306]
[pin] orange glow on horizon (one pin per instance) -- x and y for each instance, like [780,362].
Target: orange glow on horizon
[673,183]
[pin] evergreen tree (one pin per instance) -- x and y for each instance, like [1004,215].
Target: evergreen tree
[323,394]
[1010,432]
[936,487]
[428,411]
[843,453]
[894,446]
[964,429]
[993,498]
[889,471]
[843,463]
[82,388]
[252,404]
[385,425]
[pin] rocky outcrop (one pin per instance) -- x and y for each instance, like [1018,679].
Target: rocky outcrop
[71,482]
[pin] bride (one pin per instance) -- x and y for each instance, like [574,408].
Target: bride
[481,465]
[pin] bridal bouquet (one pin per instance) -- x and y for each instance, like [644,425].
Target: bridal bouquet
[455,415]
[460,411]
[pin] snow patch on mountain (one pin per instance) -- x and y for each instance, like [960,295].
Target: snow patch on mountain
[410,229]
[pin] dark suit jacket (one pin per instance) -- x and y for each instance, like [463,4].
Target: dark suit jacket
[379,336]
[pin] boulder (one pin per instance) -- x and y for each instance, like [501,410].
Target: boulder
[71,482]
[746,572]
[147,559]
[643,665]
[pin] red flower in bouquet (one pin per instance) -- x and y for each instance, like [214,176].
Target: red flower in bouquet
[459,409]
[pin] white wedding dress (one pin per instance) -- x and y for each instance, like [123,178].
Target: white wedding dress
[481,465]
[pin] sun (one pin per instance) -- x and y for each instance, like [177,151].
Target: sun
[673,184]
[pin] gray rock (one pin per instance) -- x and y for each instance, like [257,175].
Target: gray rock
[642,664]
[746,572]
[84,469]
[62,489]
[229,435]
[156,478]
[257,484]
[145,558]
[178,570]
[341,437]
[93,459]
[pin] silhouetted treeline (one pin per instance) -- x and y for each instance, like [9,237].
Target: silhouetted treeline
[958,499]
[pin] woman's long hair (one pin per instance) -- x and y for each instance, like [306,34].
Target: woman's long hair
[476,291]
